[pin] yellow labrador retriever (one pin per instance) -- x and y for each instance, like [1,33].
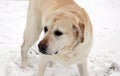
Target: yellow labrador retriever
[68,33]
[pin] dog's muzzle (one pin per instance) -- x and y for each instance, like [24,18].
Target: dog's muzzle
[43,48]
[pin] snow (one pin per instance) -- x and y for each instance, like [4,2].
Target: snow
[103,60]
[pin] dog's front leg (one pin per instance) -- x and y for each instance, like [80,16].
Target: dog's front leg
[42,65]
[32,31]
[83,68]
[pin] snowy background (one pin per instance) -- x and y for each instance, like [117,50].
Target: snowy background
[104,59]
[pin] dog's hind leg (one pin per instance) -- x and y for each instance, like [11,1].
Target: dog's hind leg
[83,68]
[32,31]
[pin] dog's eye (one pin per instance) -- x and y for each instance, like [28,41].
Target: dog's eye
[58,33]
[45,29]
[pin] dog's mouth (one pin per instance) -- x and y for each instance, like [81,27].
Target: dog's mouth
[56,52]
[48,53]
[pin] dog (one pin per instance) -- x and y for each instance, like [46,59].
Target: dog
[68,34]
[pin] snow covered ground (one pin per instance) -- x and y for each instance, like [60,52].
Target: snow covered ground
[104,59]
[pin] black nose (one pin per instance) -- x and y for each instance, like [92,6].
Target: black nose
[42,48]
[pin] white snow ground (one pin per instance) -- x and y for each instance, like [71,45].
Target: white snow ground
[103,60]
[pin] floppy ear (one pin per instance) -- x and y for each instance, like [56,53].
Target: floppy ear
[75,31]
[79,31]
[82,28]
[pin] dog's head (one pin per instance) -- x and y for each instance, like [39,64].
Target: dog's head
[61,36]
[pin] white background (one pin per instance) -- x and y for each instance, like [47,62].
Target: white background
[105,17]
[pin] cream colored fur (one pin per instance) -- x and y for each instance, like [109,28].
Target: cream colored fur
[62,13]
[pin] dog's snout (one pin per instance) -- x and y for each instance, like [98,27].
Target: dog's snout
[43,47]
